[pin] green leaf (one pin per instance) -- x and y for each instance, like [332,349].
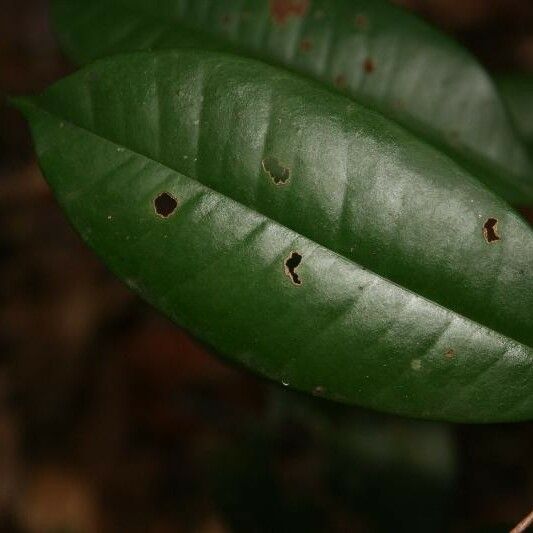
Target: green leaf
[376,53]
[517,91]
[302,235]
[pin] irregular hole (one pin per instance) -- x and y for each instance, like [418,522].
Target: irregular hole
[369,66]
[280,174]
[165,204]
[282,10]
[291,264]
[489,230]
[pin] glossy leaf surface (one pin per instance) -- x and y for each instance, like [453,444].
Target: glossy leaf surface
[517,91]
[299,233]
[378,54]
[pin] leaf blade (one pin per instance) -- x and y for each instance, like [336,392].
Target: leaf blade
[224,279]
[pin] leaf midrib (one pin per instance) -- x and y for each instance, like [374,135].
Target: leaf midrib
[24,102]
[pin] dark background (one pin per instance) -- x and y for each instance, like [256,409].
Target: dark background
[113,419]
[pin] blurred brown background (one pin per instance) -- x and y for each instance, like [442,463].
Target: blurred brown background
[112,419]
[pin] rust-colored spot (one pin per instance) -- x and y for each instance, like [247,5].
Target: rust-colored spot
[398,105]
[454,136]
[165,205]
[306,45]
[279,173]
[361,22]
[282,10]
[340,81]
[369,66]
[449,353]
[489,230]
[291,264]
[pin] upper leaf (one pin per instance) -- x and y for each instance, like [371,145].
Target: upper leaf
[517,91]
[378,54]
[299,233]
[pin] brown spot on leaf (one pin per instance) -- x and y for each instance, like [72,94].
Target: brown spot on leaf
[369,66]
[398,105]
[449,353]
[340,81]
[319,391]
[283,10]
[225,20]
[361,22]
[306,45]
[165,205]
[291,264]
[489,230]
[454,136]
[279,173]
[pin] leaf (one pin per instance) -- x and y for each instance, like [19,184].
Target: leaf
[376,53]
[366,276]
[517,91]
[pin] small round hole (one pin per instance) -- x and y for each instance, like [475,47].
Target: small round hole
[165,204]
